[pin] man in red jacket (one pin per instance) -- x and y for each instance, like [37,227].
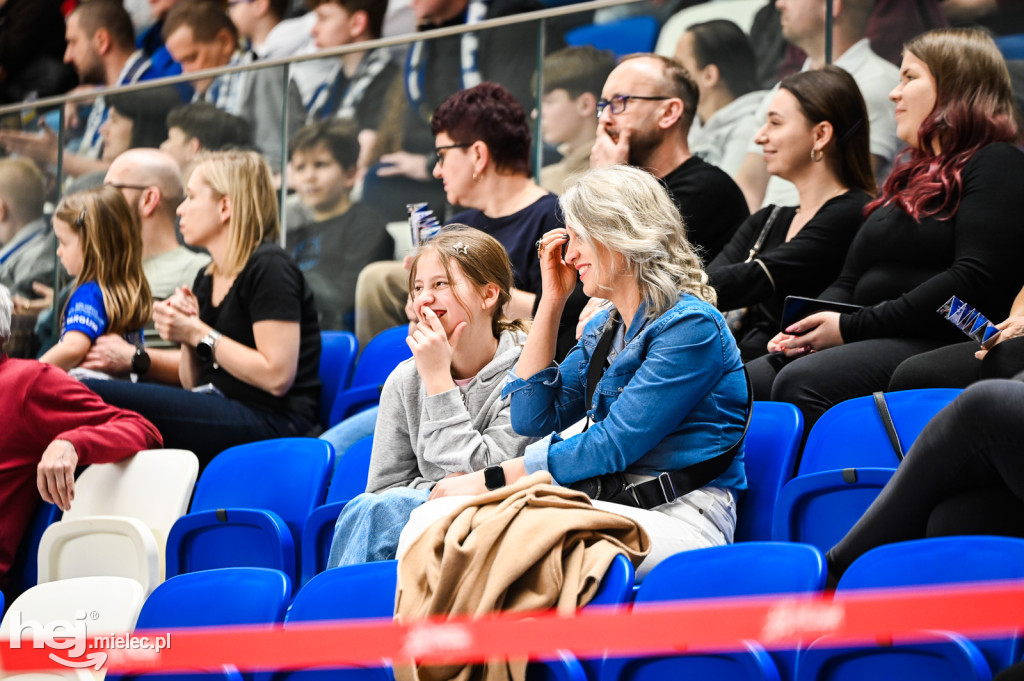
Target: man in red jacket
[51,424]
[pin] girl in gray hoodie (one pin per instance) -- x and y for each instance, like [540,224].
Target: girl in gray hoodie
[441,412]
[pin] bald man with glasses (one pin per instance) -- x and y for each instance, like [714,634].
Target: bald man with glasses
[643,118]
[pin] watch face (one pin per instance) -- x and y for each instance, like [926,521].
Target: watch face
[494,477]
[140,362]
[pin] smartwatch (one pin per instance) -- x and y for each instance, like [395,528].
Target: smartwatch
[494,477]
[207,345]
[140,362]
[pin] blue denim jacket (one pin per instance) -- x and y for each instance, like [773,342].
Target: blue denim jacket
[675,395]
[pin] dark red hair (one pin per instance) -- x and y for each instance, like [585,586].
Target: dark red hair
[973,108]
[489,113]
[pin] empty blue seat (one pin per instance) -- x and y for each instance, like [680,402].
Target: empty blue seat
[751,568]
[250,506]
[820,508]
[338,351]
[948,657]
[347,481]
[852,434]
[228,596]
[944,560]
[625,36]
[379,358]
[769,456]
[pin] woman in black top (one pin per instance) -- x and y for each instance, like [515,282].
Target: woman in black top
[947,223]
[248,330]
[815,136]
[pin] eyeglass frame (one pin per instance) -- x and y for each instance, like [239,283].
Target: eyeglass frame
[439,157]
[602,103]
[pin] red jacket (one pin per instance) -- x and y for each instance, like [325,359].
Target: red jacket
[40,403]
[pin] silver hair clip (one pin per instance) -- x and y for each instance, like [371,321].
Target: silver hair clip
[461,248]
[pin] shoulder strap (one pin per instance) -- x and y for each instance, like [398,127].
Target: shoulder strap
[760,237]
[599,359]
[671,485]
[890,427]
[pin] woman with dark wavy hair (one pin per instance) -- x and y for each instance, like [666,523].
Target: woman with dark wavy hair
[815,136]
[947,223]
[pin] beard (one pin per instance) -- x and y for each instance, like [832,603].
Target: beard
[93,73]
[642,144]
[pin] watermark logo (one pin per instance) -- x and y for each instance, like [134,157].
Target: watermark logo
[73,638]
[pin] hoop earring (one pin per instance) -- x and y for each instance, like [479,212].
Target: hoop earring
[820,155]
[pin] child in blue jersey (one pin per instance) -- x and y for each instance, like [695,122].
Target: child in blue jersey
[99,242]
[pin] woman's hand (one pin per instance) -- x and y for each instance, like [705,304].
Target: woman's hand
[432,351]
[1009,328]
[557,278]
[177,318]
[818,331]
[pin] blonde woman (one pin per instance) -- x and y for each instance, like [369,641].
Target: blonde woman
[673,393]
[248,327]
[99,243]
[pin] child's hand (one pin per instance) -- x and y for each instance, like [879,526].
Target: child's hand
[433,351]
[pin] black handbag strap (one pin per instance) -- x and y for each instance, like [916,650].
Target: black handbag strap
[599,360]
[671,485]
[756,248]
[890,427]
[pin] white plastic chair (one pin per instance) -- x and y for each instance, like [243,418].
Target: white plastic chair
[740,12]
[111,605]
[119,520]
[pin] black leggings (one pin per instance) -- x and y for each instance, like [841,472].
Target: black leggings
[955,366]
[964,475]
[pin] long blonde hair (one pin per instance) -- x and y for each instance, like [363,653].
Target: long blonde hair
[111,242]
[628,211]
[482,259]
[245,178]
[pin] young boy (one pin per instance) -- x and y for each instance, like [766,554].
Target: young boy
[573,78]
[359,82]
[345,236]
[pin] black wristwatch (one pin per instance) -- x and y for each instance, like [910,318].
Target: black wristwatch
[207,345]
[140,362]
[494,477]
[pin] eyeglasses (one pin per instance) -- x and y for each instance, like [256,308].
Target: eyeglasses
[618,103]
[232,3]
[140,187]
[440,157]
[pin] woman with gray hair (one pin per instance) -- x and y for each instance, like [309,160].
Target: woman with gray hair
[657,376]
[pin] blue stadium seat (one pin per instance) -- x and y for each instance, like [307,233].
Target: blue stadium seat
[348,481]
[338,351]
[852,435]
[948,657]
[751,568]
[250,505]
[227,596]
[625,36]
[820,508]
[379,358]
[944,560]
[773,441]
[351,592]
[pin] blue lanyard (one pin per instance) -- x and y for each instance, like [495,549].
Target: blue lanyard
[14,249]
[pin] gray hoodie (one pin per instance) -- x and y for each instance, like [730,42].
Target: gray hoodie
[419,440]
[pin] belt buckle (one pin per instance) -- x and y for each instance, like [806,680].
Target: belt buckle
[668,490]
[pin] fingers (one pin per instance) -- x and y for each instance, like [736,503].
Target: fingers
[457,335]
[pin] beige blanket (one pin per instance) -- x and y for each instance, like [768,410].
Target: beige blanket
[529,546]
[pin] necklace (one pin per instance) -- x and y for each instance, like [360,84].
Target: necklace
[828,198]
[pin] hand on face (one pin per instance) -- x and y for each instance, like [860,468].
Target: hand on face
[609,151]
[558,279]
[432,350]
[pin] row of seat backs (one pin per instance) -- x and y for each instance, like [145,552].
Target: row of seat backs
[349,386]
[257,595]
[757,568]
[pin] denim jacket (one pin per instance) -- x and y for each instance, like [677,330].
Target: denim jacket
[673,396]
